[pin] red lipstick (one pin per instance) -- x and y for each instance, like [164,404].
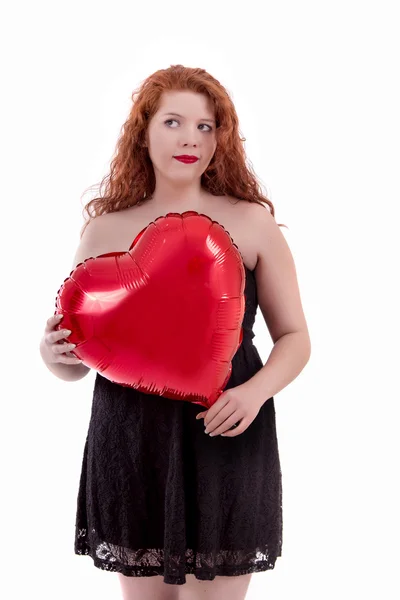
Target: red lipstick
[186,158]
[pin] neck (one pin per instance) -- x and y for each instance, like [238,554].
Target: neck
[177,203]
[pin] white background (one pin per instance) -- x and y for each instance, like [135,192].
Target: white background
[316,88]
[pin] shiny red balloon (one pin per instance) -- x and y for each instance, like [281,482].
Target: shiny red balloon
[166,316]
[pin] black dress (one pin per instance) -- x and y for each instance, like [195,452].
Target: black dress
[158,496]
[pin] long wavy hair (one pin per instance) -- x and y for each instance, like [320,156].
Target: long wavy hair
[131,179]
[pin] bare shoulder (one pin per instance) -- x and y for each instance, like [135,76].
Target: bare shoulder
[101,222]
[95,235]
[92,226]
[265,228]
[257,212]
[277,285]
[251,211]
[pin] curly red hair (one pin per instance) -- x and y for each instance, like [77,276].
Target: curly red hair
[131,179]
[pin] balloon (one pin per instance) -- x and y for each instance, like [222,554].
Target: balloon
[166,316]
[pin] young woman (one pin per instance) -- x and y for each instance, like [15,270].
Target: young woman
[176,512]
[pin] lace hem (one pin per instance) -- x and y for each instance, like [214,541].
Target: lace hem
[149,563]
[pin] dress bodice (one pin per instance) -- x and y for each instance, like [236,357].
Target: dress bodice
[251,304]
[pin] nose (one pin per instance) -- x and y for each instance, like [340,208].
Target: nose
[194,144]
[192,138]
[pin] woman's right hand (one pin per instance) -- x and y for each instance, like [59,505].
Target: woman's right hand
[52,349]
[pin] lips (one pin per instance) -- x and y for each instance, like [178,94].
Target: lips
[186,158]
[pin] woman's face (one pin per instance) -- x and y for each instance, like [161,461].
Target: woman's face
[193,133]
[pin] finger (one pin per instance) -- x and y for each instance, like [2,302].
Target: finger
[55,336]
[69,360]
[215,421]
[68,357]
[217,407]
[52,322]
[225,426]
[237,431]
[61,348]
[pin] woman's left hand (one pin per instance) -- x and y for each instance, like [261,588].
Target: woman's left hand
[233,405]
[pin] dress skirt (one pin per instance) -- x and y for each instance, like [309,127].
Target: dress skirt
[158,496]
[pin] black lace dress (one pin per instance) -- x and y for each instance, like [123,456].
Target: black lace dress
[158,496]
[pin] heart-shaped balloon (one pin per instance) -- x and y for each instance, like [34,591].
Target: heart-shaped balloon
[164,317]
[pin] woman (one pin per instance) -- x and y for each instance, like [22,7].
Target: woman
[164,501]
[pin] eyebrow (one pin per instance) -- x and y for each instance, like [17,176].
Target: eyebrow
[176,115]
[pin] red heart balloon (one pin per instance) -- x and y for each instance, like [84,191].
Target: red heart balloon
[166,316]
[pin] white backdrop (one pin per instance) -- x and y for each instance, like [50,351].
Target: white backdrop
[316,88]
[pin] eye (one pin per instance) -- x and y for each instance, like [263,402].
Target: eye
[170,121]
